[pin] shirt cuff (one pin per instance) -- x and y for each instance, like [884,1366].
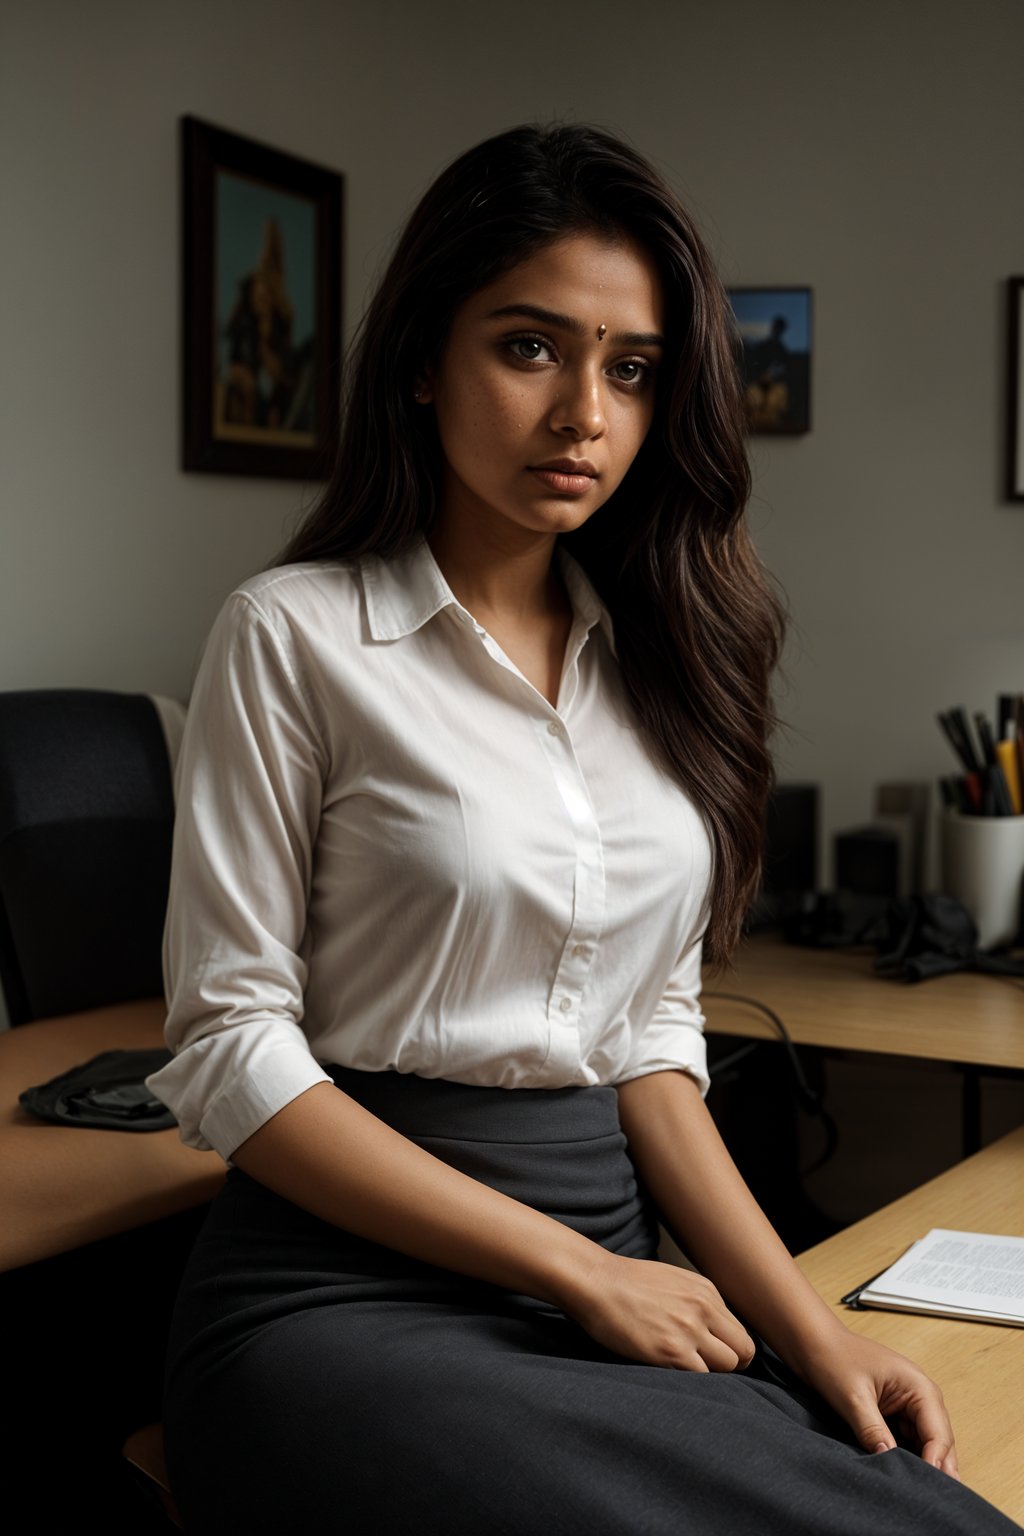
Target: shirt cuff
[668,1047]
[223,1088]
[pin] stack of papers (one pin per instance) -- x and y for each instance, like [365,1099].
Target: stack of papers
[953,1274]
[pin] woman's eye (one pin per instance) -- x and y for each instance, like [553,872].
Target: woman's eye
[529,349]
[632,370]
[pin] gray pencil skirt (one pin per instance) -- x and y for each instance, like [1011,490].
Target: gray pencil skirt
[322,1385]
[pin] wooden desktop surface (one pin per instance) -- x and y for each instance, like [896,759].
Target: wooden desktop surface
[61,1186]
[834,998]
[979,1366]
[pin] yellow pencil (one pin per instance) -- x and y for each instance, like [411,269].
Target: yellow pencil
[1007,753]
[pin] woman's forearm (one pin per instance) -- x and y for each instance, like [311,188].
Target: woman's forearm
[335,1159]
[695,1184]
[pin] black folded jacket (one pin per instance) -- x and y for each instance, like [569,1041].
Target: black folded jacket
[106,1093]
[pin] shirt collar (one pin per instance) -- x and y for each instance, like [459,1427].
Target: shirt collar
[403,594]
[587,606]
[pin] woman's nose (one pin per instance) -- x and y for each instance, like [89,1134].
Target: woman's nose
[578,411]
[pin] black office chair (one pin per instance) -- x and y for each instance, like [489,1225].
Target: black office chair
[86,818]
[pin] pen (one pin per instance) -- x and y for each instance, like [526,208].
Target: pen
[958,718]
[1006,712]
[954,724]
[1001,803]
[955,736]
[967,788]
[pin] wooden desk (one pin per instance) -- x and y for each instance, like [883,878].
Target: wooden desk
[62,1187]
[833,997]
[979,1366]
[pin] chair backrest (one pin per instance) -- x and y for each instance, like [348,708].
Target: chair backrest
[86,819]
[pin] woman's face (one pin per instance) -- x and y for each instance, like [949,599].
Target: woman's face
[545,389]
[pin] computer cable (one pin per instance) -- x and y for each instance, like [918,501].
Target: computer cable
[810,1099]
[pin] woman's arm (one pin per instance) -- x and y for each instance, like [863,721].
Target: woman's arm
[332,1157]
[695,1184]
[329,1155]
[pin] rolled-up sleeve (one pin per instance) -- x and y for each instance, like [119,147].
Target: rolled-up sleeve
[674,1036]
[249,792]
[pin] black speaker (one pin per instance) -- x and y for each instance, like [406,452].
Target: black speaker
[790,852]
[867,862]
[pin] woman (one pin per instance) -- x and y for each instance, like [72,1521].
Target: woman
[472,779]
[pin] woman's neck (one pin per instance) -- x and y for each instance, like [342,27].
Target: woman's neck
[513,588]
[509,575]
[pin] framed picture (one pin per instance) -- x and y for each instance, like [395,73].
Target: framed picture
[261,325]
[1015,391]
[774,327]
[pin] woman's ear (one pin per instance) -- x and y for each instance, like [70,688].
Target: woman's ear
[422,392]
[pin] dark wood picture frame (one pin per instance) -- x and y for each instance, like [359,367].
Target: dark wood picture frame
[1015,389]
[260,382]
[776,371]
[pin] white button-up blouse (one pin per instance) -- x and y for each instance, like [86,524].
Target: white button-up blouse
[391,851]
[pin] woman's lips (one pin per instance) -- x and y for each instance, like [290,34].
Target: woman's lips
[564,484]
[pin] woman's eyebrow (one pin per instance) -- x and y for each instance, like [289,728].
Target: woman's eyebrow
[575,327]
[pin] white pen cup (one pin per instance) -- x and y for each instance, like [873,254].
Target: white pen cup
[981,862]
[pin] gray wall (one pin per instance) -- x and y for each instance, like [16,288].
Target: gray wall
[872,151]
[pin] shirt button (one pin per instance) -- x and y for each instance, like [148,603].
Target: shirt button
[565,1004]
[554,729]
[579,949]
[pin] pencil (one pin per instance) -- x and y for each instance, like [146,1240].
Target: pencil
[1006,751]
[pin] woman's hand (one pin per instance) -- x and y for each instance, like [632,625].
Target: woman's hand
[722,1229]
[866,1383]
[659,1314]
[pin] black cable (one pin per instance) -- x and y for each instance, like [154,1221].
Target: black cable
[811,1101]
[723,1063]
[810,1097]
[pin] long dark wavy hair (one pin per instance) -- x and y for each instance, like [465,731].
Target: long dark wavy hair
[698,625]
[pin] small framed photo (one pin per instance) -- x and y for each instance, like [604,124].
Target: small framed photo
[1015,390]
[774,326]
[261,324]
